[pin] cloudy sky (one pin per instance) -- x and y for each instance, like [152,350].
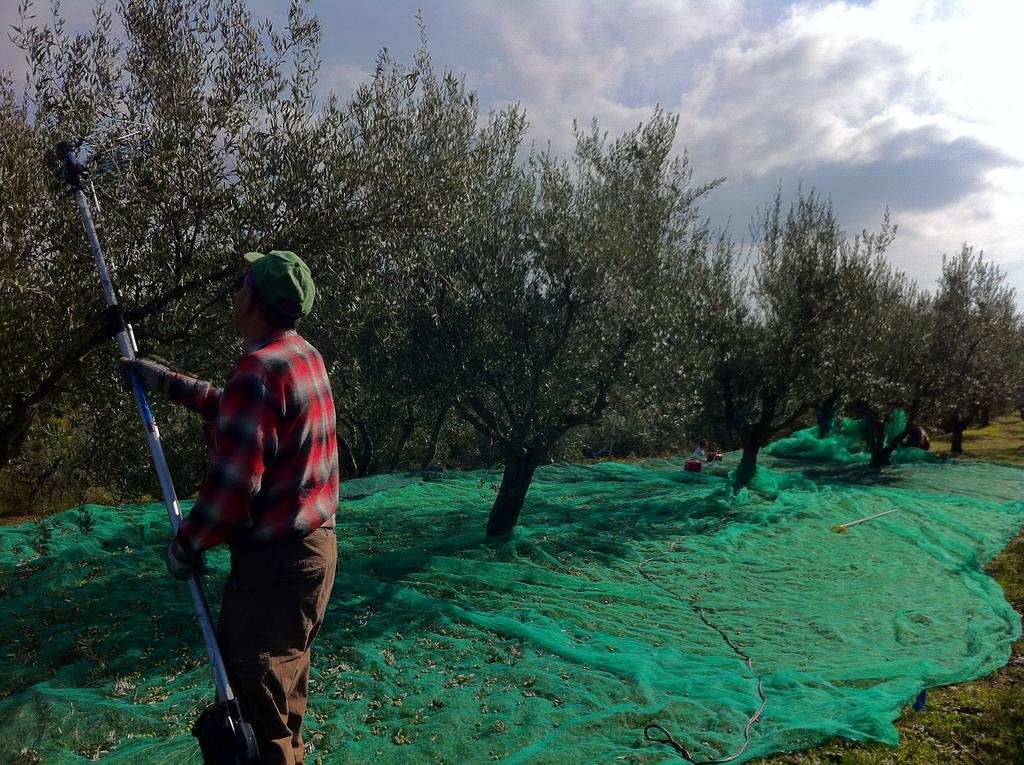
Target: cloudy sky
[914,105]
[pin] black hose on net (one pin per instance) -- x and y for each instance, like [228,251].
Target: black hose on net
[668,739]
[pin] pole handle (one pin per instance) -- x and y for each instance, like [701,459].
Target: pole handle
[842,527]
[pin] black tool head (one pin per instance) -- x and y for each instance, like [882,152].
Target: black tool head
[225,737]
[70,167]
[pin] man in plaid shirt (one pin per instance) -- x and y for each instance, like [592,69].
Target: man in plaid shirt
[270,494]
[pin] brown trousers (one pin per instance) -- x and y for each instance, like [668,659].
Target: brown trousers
[273,606]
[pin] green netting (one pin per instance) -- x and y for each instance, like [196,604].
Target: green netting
[364,487]
[845,443]
[554,648]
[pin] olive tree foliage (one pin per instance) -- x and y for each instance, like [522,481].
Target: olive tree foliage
[187,81]
[893,355]
[1015,349]
[943,358]
[973,342]
[214,145]
[776,337]
[421,129]
[543,305]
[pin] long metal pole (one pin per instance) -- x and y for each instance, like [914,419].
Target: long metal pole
[844,526]
[125,343]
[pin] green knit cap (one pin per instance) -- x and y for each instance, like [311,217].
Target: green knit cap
[282,280]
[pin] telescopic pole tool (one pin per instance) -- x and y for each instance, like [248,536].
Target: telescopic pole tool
[842,527]
[224,735]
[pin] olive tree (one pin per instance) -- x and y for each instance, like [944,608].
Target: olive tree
[975,320]
[214,144]
[548,299]
[940,357]
[778,333]
[420,129]
[893,357]
[189,87]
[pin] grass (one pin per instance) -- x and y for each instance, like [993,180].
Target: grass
[977,722]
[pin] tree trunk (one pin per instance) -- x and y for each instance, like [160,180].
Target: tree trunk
[15,428]
[365,459]
[346,458]
[957,445]
[881,452]
[515,482]
[435,434]
[875,437]
[408,424]
[985,416]
[884,456]
[956,425]
[748,464]
[825,414]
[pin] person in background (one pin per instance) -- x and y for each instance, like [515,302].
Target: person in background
[701,452]
[917,437]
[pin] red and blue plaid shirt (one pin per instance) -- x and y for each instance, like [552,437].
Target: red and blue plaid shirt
[273,453]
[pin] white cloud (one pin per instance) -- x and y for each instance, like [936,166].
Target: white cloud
[910,104]
[801,92]
[572,59]
[988,220]
[343,79]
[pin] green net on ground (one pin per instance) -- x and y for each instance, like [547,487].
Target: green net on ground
[558,647]
[845,443]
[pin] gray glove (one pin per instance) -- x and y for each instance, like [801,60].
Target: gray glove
[151,374]
[180,565]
